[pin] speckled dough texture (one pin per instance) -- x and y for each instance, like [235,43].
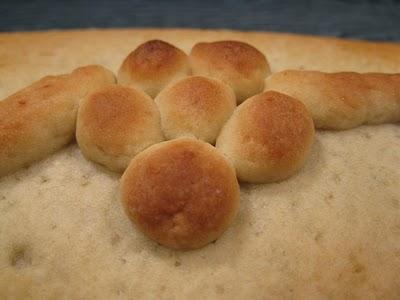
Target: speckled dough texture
[331,231]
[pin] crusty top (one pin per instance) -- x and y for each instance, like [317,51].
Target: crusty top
[153,60]
[238,64]
[234,57]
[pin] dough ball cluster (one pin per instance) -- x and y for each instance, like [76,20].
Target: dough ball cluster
[182,193]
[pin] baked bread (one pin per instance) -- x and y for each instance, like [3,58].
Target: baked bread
[115,123]
[195,106]
[40,119]
[152,65]
[268,138]
[182,193]
[342,100]
[331,231]
[238,64]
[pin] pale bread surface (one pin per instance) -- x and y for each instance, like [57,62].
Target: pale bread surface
[331,231]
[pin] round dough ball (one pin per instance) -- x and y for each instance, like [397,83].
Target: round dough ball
[115,123]
[181,193]
[238,64]
[195,106]
[152,65]
[268,138]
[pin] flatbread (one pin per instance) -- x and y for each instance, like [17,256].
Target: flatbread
[331,231]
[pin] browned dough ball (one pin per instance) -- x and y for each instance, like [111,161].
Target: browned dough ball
[195,106]
[181,193]
[152,65]
[115,123]
[238,64]
[268,138]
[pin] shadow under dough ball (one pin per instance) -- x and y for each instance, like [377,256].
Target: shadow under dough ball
[181,193]
[268,138]
[195,106]
[115,123]
[238,64]
[153,65]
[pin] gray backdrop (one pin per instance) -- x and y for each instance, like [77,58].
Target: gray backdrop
[374,20]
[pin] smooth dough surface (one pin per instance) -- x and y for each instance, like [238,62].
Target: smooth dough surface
[181,193]
[115,123]
[238,64]
[331,231]
[153,65]
[268,138]
[195,106]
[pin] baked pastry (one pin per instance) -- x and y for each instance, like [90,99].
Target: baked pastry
[40,119]
[181,193]
[195,106]
[329,232]
[342,100]
[152,65]
[268,138]
[236,63]
[115,123]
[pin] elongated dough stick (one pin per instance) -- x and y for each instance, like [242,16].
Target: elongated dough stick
[40,119]
[342,100]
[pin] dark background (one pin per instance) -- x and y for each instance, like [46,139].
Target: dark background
[374,20]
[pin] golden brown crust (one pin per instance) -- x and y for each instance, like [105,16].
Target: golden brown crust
[232,56]
[152,65]
[238,64]
[115,123]
[342,100]
[268,138]
[40,119]
[111,113]
[181,193]
[279,124]
[151,58]
[195,106]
